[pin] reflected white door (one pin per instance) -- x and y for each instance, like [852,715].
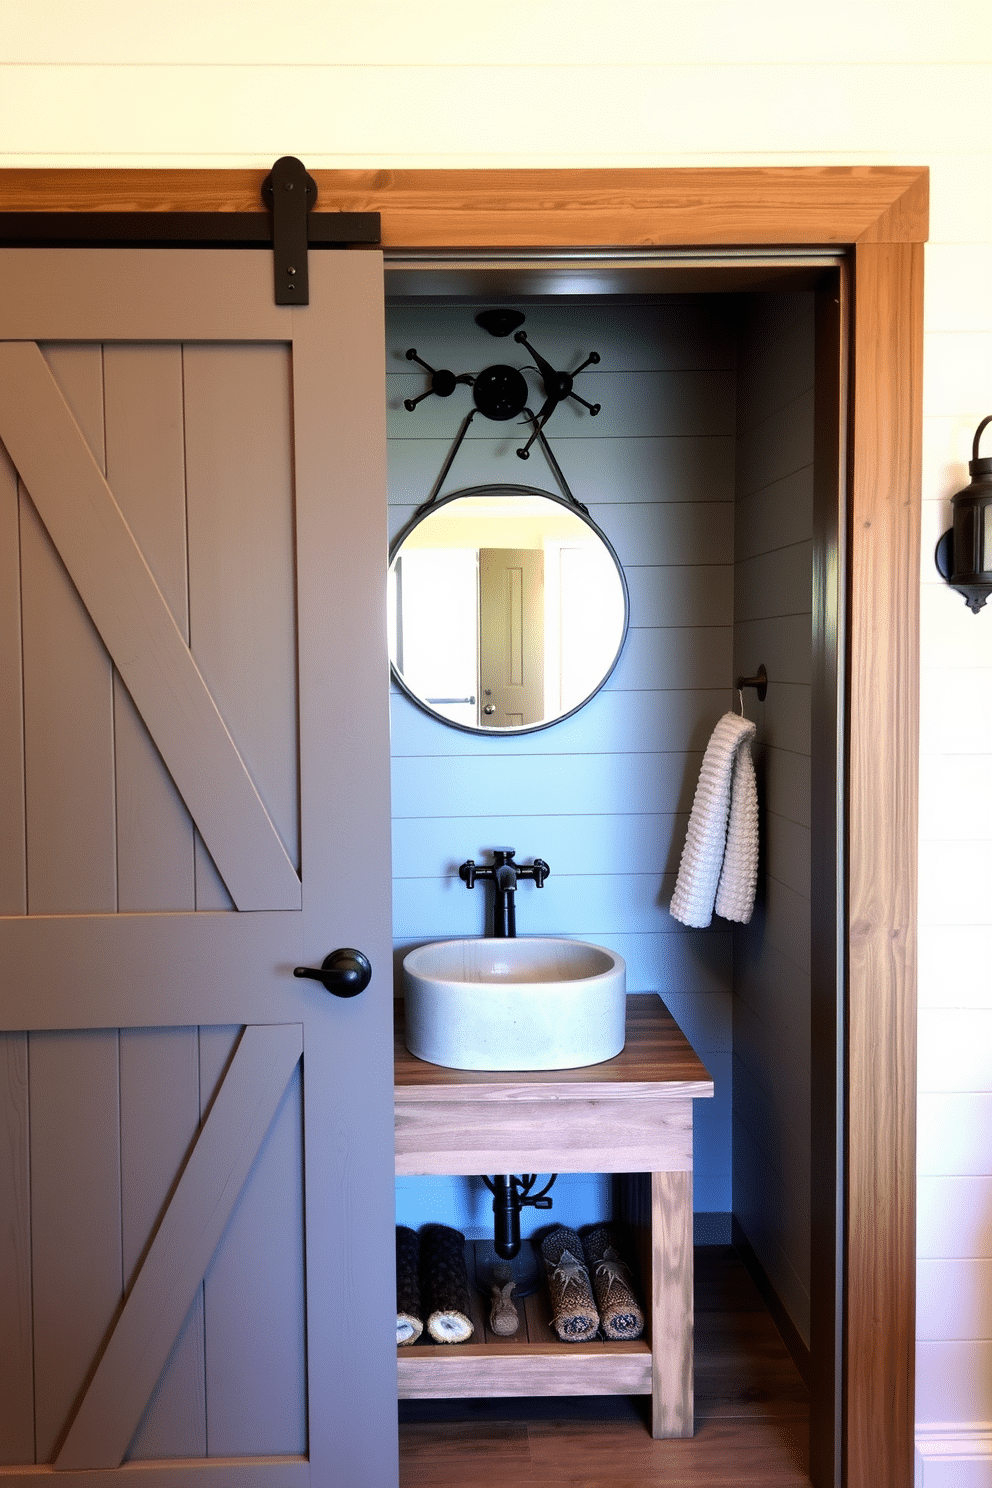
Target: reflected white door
[511,636]
[196,1170]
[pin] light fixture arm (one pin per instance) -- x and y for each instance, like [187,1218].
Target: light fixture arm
[557,387]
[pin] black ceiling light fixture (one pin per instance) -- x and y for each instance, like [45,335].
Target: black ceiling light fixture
[964,553]
[500,392]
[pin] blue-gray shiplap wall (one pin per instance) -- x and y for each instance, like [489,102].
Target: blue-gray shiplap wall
[603,796]
[773,615]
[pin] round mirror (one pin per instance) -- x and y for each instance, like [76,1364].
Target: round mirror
[507,609]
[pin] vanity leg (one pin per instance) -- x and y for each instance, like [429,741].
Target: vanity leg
[671,1305]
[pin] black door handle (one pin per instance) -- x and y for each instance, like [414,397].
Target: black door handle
[345,972]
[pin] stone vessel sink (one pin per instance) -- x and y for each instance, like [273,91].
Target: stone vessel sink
[534,1003]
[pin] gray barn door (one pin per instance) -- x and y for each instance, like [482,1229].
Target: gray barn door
[196,1169]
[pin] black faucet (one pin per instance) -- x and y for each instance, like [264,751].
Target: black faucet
[504,872]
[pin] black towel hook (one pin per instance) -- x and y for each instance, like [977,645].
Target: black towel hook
[759,682]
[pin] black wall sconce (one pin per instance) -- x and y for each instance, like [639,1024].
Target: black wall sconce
[964,553]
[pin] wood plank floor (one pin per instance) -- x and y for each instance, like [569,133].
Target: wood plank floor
[751,1416]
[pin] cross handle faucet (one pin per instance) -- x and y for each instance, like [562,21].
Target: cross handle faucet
[504,873]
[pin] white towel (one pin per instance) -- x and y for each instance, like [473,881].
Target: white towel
[719,867]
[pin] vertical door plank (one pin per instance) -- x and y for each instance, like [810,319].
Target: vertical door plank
[78,372]
[235,544]
[199,1210]
[75,1214]
[13,863]
[145,471]
[68,735]
[237,1312]
[68,695]
[155,858]
[231,1269]
[174,1423]
[160,1117]
[145,460]
[254,1305]
[132,617]
[671,1305]
[215,1050]
[241,539]
[211,892]
[16,1353]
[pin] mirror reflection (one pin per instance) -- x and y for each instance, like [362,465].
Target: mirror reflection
[507,609]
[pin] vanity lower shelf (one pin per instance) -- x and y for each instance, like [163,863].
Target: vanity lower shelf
[541,1369]
[630,1115]
[533,1362]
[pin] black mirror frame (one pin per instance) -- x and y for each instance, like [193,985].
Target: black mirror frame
[507,487]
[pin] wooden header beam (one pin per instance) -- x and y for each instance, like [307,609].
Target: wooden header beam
[536,208]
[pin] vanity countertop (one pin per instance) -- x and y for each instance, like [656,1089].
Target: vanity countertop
[656,1053]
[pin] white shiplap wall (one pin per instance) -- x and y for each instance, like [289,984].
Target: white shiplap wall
[603,796]
[772,613]
[663,84]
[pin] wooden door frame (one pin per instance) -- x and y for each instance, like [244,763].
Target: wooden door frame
[879,216]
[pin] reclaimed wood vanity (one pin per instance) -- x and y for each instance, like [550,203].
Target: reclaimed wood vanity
[631,1115]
